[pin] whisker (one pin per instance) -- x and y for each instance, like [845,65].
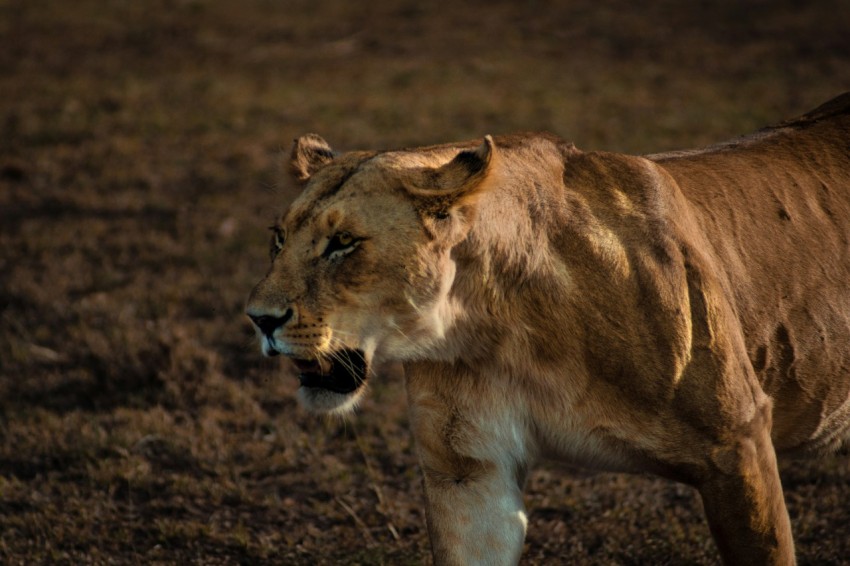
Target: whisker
[401,333]
[343,332]
[345,362]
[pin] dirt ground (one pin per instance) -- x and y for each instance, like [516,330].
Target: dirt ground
[139,168]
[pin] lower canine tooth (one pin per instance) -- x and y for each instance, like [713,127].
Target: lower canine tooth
[325,365]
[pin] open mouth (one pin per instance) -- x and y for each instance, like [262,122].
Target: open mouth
[344,372]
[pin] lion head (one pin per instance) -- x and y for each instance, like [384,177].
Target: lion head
[361,265]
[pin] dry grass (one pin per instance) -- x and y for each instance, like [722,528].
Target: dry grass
[138,168]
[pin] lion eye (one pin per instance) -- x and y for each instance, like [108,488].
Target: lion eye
[341,243]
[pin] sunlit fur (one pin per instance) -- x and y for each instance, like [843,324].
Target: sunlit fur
[684,314]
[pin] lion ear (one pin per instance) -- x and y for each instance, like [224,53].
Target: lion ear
[459,181]
[309,153]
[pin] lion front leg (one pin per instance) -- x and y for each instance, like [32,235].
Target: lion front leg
[478,519]
[474,453]
[745,505]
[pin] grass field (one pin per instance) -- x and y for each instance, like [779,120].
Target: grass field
[139,167]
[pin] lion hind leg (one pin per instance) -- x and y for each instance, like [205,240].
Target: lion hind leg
[745,505]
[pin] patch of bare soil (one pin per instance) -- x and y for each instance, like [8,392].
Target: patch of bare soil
[139,167]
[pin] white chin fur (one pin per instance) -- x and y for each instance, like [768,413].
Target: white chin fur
[318,400]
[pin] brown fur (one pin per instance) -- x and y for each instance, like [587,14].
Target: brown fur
[685,314]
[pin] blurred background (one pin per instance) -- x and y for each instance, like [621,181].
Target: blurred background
[140,164]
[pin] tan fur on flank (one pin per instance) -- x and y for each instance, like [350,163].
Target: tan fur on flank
[685,314]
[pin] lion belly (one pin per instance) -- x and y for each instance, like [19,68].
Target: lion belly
[777,214]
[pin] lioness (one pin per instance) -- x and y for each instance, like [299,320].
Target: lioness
[686,314]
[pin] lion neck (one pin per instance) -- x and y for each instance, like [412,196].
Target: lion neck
[504,273]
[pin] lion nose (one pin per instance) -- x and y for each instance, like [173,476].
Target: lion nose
[268,323]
